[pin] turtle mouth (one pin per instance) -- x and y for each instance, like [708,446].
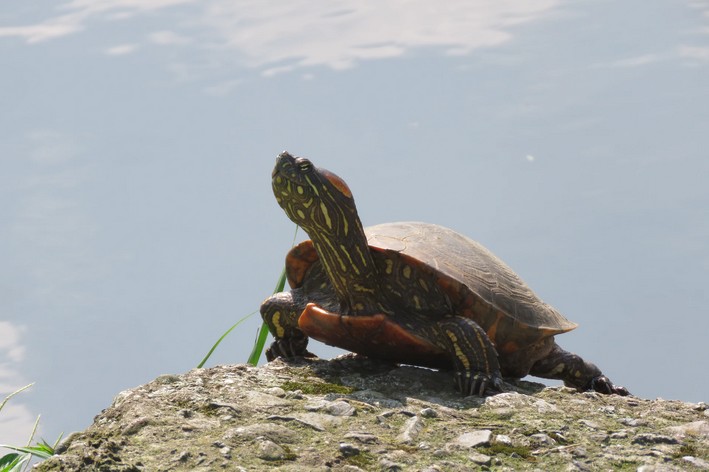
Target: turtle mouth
[285,167]
[284,159]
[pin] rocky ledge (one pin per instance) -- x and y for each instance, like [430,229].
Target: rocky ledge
[352,414]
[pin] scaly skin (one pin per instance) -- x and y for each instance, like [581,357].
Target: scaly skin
[386,303]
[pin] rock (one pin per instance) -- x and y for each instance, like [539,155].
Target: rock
[316,421]
[376,399]
[651,438]
[225,451]
[276,392]
[270,451]
[135,426]
[348,450]
[364,438]
[390,466]
[696,428]
[354,415]
[334,408]
[578,466]
[513,400]
[589,424]
[541,439]
[579,452]
[473,439]
[698,463]
[339,408]
[311,422]
[411,430]
[659,468]
[634,422]
[274,432]
[480,459]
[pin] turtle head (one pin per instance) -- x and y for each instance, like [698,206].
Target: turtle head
[321,203]
[315,199]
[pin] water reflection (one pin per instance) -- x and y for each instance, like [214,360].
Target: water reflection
[283,36]
[138,137]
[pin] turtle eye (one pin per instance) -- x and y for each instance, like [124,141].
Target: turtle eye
[305,165]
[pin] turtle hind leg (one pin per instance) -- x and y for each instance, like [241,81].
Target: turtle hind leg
[575,372]
[477,369]
[280,313]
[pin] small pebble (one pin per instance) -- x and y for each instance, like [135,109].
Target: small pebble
[390,466]
[696,462]
[474,438]
[650,438]
[542,439]
[270,451]
[590,424]
[348,450]
[480,459]
[276,392]
[410,430]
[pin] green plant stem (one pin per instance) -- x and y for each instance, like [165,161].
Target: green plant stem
[209,354]
[263,331]
[7,398]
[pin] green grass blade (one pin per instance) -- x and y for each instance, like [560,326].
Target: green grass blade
[9,460]
[20,460]
[34,431]
[37,451]
[258,345]
[263,332]
[7,398]
[13,462]
[209,354]
[56,443]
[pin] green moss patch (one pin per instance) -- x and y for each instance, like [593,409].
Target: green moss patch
[316,388]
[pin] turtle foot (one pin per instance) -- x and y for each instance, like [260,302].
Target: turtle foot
[603,384]
[478,383]
[288,348]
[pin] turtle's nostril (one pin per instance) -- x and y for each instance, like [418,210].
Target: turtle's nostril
[284,165]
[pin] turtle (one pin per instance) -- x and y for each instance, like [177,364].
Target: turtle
[411,293]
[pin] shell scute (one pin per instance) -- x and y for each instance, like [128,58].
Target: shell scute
[476,284]
[481,286]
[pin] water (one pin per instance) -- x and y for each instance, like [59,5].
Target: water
[138,222]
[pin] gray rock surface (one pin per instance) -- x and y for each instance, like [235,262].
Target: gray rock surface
[354,414]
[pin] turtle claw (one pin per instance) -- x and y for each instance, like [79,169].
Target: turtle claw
[603,384]
[478,383]
[289,348]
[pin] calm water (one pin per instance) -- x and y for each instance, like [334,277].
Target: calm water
[137,141]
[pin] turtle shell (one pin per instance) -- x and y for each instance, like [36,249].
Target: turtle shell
[477,284]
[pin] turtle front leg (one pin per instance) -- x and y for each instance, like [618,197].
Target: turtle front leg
[477,369]
[280,313]
[575,372]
